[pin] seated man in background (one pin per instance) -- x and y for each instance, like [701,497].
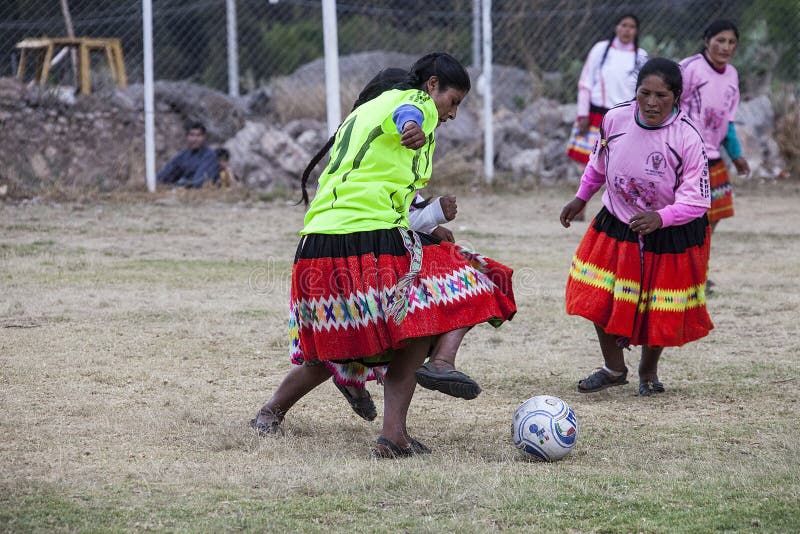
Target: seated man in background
[195,165]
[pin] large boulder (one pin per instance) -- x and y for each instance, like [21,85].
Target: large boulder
[221,114]
[544,116]
[266,156]
[302,93]
[755,128]
[512,88]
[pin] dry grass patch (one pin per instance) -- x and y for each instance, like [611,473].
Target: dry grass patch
[136,341]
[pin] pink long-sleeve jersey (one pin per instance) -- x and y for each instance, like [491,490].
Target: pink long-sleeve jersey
[662,168]
[710,98]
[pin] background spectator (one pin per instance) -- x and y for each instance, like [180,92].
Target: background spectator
[193,166]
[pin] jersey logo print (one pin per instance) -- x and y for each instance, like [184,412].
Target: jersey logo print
[420,97]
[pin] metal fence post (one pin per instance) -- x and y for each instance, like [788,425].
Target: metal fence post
[233,49]
[331,47]
[488,126]
[149,113]
[476,33]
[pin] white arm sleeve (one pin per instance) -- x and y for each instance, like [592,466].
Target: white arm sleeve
[426,220]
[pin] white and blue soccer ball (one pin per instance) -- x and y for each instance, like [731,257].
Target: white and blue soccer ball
[545,427]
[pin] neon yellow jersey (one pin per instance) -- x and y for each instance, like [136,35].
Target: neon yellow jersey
[371,179]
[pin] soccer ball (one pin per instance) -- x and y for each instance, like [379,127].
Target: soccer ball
[545,427]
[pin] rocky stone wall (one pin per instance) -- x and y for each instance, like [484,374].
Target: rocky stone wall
[55,140]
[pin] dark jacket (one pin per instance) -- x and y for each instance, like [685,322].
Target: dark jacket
[190,168]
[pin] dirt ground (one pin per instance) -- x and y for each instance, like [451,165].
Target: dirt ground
[137,340]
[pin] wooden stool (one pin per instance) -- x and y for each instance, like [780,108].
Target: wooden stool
[42,49]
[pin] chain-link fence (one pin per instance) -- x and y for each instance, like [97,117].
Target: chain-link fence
[539,47]
[548,38]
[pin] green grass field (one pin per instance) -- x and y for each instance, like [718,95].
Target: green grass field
[137,340]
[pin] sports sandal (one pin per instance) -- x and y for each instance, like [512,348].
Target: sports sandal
[272,427]
[385,449]
[450,382]
[648,387]
[600,380]
[418,447]
[363,406]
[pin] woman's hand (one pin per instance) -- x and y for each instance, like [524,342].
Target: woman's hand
[742,167]
[583,125]
[573,208]
[449,206]
[646,222]
[413,137]
[444,234]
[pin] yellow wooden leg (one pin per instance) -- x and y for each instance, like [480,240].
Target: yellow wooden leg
[122,77]
[112,65]
[48,58]
[21,67]
[86,82]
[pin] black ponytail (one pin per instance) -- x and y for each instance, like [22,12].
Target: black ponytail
[445,67]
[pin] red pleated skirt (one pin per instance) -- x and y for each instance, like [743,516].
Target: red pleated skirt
[648,291]
[343,287]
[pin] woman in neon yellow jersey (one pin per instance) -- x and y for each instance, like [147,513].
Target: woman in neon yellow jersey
[364,287]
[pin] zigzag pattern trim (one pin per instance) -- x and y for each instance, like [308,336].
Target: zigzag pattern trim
[721,191]
[359,309]
[593,275]
[294,332]
[676,300]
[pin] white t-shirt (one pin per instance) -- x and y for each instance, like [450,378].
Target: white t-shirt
[615,81]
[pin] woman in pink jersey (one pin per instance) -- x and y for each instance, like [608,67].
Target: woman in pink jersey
[711,98]
[607,79]
[639,273]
